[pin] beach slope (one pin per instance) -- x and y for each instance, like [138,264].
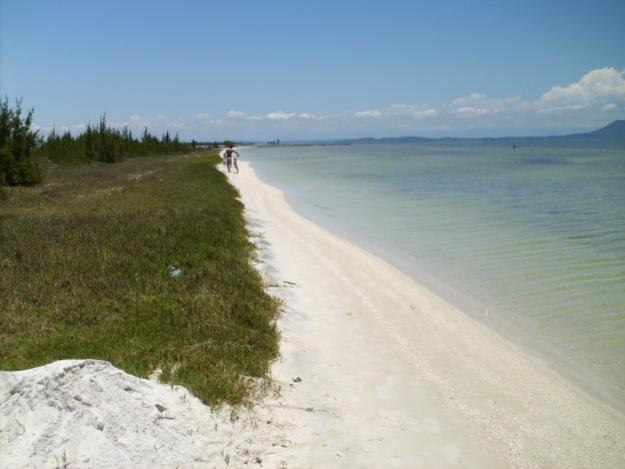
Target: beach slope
[377,371]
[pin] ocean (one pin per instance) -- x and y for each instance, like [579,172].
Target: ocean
[529,240]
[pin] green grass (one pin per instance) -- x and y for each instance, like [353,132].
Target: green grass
[83,274]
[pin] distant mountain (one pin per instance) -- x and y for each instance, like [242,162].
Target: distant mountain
[354,141]
[613,134]
[613,131]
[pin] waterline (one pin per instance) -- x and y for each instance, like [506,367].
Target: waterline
[532,240]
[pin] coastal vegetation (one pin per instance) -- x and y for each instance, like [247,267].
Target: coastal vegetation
[144,263]
[107,144]
[23,150]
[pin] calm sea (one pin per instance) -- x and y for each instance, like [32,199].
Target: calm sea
[530,240]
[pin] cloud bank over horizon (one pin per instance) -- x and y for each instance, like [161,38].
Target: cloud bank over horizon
[596,99]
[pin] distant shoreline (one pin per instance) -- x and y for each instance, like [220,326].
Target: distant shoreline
[610,136]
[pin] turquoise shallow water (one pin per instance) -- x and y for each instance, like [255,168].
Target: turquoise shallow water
[530,240]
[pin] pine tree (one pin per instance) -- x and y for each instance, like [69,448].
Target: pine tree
[17,142]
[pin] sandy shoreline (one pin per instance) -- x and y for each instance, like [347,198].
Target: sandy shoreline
[397,377]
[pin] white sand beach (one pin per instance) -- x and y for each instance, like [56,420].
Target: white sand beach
[394,376]
[375,372]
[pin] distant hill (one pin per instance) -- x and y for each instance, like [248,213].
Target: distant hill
[611,134]
[613,131]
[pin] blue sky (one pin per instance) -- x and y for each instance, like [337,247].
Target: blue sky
[304,69]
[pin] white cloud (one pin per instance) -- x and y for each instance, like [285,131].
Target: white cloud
[478,104]
[371,113]
[426,113]
[237,115]
[284,116]
[308,115]
[562,109]
[594,93]
[398,111]
[409,110]
[596,85]
[584,100]
[470,111]
[280,115]
[72,128]
[473,98]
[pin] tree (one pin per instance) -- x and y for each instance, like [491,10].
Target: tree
[17,142]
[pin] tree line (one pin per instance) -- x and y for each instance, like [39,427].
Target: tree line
[21,146]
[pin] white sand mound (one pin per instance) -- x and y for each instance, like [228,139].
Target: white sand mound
[87,413]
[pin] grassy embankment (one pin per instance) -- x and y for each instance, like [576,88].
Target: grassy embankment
[84,274]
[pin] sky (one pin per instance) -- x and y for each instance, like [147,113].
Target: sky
[260,70]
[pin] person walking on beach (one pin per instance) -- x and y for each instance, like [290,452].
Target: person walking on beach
[230,158]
